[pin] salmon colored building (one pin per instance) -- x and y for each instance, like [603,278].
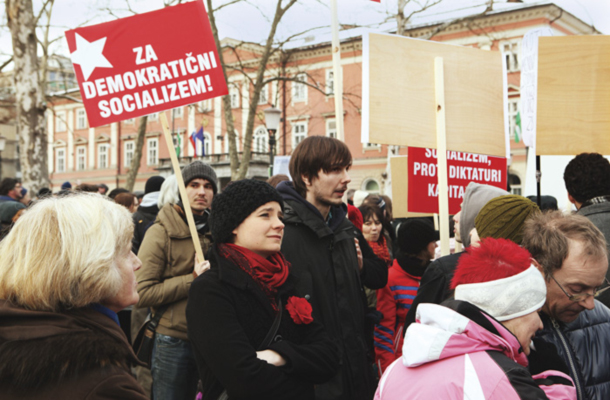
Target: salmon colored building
[301,82]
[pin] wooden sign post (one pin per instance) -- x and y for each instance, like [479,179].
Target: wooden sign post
[181,187]
[441,146]
[426,94]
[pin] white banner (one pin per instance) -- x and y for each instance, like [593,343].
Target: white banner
[529,83]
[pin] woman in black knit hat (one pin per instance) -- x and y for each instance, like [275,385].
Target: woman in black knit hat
[253,336]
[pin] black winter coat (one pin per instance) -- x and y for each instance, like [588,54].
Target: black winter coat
[143,218]
[434,286]
[228,318]
[584,346]
[324,259]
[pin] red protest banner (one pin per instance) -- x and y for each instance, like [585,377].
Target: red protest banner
[146,63]
[462,168]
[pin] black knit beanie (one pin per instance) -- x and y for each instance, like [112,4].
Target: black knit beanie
[153,184]
[236,202]
[415,234]
[200,170]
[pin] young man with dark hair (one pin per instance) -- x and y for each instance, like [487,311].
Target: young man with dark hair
[587,179]
[572,256]
[331,259]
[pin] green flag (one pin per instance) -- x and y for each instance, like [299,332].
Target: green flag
[518,127]
[178,144]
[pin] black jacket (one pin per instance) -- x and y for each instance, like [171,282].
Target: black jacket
[583,345]
[143,218]
[228,318]
[323,257]
[434,286]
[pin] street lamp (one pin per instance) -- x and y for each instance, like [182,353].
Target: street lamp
[272,120]
[2,144]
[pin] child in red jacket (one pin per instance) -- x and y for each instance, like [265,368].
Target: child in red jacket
[416,244]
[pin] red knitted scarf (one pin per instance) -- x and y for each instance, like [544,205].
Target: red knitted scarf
[268,273]
[381,250]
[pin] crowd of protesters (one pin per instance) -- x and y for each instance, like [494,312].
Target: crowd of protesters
[306,291]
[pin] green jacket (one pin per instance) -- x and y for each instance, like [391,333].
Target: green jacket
[168,259]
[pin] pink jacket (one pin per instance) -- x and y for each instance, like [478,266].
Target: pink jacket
[447,355]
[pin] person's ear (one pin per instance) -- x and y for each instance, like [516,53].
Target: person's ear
[572,200]
[305,180]
[432,248]
[537,265]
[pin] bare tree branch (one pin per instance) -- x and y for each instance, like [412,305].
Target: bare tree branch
[7,62]
[220,7]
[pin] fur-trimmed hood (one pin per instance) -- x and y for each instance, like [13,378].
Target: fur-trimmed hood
[44,348]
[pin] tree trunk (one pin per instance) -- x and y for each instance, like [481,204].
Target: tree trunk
[29,95]
[239,169]
[137,154]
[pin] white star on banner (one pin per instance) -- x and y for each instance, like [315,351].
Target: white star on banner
[89,55]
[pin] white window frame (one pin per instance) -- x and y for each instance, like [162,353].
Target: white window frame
[511,54]
[234,93]
[330,82]
[103,155]
[81,158]
[513,108]
[207,143]
[331,128]
[205,106]
[371,146]
[130,121]
[60,121]
[178,112]
[130,148]
[153,117]
[264,96]
[81,119]
[152,151]
[60,160]
[368,181]
[299,90]
[515,188]
[299,134]
[260,140]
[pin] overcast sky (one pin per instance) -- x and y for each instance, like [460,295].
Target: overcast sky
[250,20]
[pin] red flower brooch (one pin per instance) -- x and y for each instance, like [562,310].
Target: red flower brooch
[300,310]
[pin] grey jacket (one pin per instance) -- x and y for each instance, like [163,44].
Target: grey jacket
[599,214]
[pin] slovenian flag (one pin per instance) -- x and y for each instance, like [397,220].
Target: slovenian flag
[198,136]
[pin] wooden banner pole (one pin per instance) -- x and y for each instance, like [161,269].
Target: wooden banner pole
[337,71]
[185,200]
[441,153]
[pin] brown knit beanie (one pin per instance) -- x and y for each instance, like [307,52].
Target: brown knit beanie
[503,217]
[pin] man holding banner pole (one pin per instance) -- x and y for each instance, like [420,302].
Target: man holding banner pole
[169,266]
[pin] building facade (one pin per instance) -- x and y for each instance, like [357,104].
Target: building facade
[301,86]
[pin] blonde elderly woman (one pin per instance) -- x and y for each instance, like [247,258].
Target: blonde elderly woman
[66,270]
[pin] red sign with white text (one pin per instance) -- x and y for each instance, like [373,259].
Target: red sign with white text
[146,63]
[462,168]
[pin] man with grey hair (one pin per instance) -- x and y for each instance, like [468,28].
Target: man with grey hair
[168,269]
[571,253]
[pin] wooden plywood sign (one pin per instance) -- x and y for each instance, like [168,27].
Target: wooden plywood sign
[399,106]
[573,95]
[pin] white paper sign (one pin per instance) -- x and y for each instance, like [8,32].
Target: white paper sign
[280,165]
[529,83]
